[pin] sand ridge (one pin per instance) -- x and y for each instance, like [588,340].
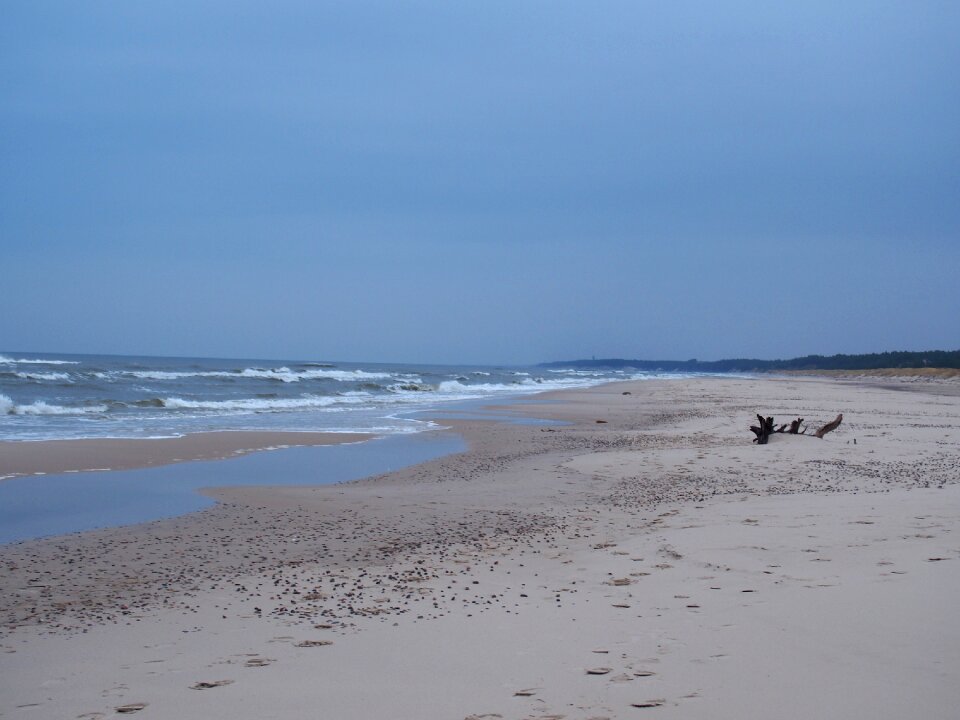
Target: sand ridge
[656,562]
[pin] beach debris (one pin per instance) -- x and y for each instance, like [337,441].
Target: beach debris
[313,643]
[833,425]
[762,431]
[765,429]
[210,684]
[599,671]
[131,708]
[621,581]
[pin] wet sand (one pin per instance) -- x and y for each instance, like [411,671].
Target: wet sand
[60,456]
[646,559]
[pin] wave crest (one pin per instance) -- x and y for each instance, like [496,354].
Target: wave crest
[4,360]
[39,407]
[42,376]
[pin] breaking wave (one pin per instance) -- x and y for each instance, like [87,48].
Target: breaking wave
[251,404]
[281,374]
[39,407]
[4,360]
[42,376]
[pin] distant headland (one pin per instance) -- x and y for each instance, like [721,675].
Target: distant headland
[872,361]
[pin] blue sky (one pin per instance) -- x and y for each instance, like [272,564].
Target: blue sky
[502,182]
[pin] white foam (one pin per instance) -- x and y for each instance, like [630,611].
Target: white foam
[42,376]
[4,360]
[457,387]
[283,374]
[39,407]
[345,375]
[250,404]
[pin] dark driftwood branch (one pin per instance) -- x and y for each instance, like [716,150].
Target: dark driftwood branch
[765,429]
[829,426]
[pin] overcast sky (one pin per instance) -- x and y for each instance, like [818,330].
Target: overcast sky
[503,182]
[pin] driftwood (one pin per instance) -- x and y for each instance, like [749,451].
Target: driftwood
[829,426]
[765,429]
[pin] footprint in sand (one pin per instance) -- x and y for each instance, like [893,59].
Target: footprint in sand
[258,662]
[206,685]
[131,708]
[313,643]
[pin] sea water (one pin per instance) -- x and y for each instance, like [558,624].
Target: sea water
[37,506]
[44,396]
[48,397]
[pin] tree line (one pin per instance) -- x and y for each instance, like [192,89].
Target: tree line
[871,361]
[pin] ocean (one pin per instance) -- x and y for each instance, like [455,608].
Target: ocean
[52,396]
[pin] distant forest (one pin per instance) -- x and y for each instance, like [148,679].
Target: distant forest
[873,361]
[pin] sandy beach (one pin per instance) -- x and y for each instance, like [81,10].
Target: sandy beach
[644,560]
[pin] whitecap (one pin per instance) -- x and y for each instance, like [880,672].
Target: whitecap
[51,376]
[250,404]
[39,407]
[35,361]
[282,374]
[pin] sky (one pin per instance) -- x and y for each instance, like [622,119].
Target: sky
[479,182]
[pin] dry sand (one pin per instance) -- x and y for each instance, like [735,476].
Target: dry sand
[655,564]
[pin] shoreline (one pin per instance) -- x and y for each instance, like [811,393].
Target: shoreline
[646,555]
[20,458]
